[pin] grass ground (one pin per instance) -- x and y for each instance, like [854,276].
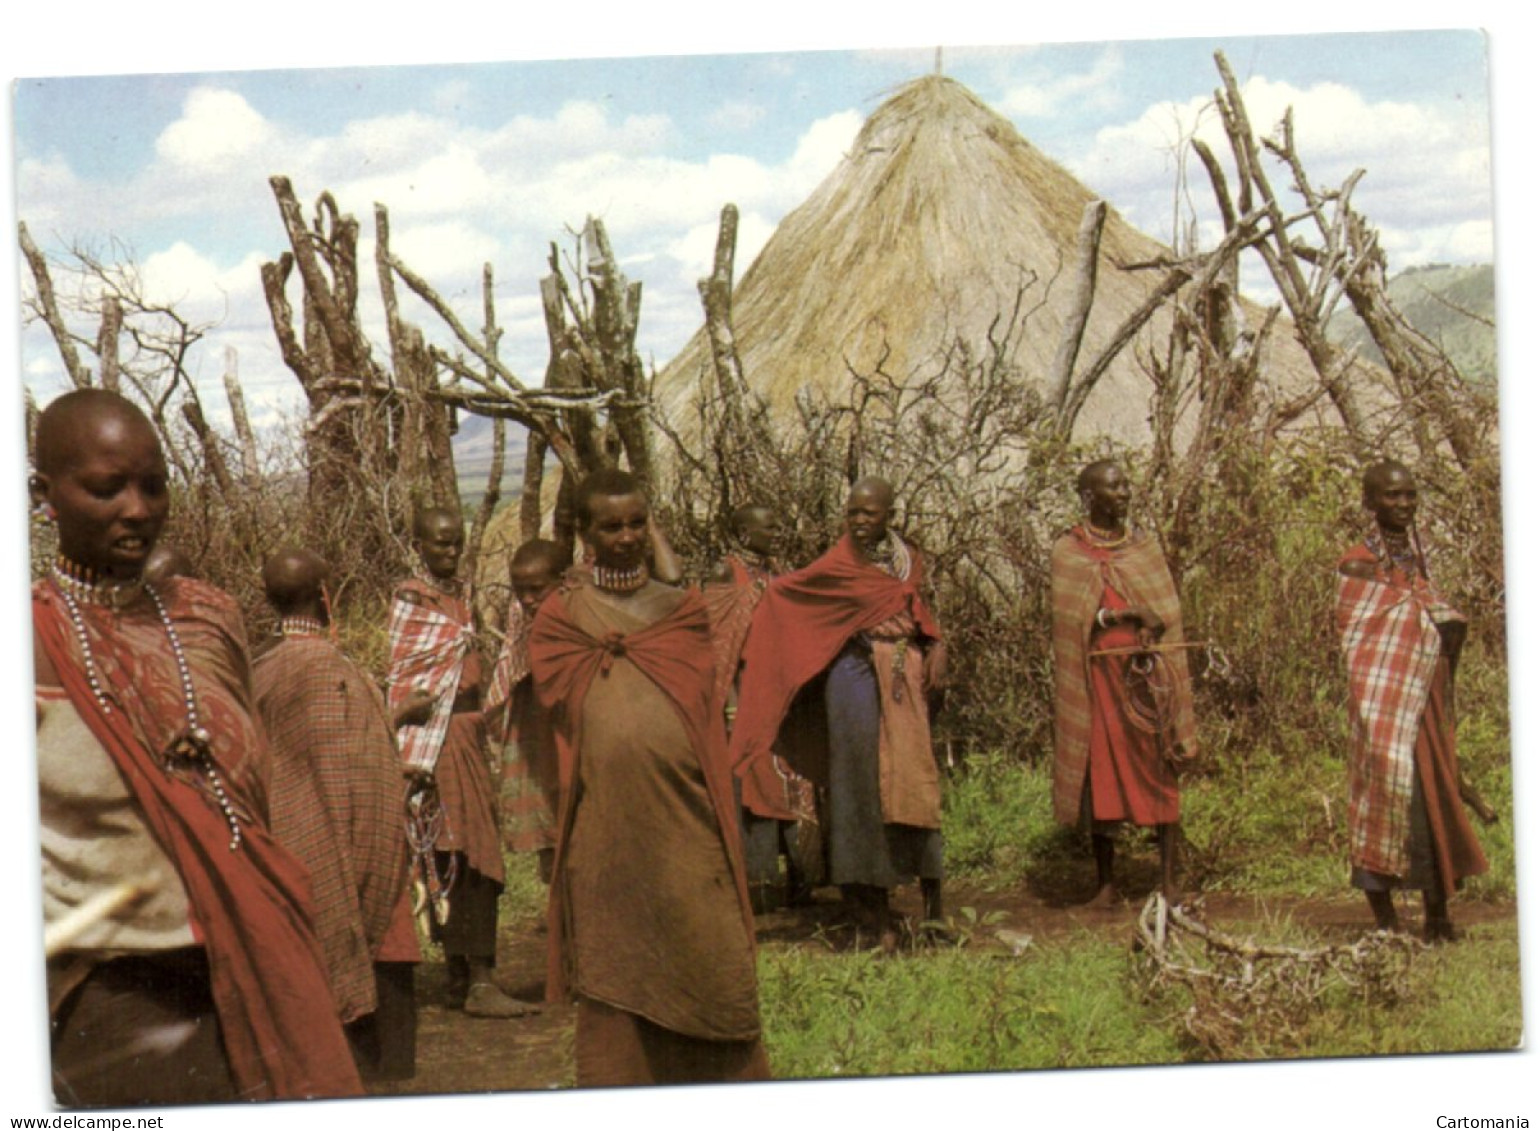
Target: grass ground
[1265,852]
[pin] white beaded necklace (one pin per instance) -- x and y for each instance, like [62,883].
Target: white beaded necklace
[194,744]
[300,626]
[621,580]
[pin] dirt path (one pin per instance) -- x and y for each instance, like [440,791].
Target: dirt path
[456,1053]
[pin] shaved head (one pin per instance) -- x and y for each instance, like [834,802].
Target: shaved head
[293,578]
[751,515]
[606,482]
[428,518]
[1092,473]
[67,428]
[1376,475]
[875,486]
[540,554]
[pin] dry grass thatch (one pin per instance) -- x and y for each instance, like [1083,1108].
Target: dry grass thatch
[925,233]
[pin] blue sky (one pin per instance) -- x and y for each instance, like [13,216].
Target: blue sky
[491,161]
[1078,101]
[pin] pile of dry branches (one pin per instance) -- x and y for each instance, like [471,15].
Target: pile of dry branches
[1240,989]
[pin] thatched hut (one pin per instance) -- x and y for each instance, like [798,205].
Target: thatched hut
[927,232]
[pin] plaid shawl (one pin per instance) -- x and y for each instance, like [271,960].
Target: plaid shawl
[512,662]
[1390,649]
[1137,571]
[430,636]
[336,802]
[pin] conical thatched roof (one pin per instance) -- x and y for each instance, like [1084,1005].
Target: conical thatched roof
[924,233]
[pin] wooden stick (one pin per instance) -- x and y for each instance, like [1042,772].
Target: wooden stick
[103,905]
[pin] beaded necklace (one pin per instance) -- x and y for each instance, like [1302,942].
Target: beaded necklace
[82,585]
[1106,539]
[447,585]
[1403,550]
[300,626]
[891,556]
[621,580]
[78,585]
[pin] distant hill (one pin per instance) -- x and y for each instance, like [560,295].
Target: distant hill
[1440,301]
[473,459]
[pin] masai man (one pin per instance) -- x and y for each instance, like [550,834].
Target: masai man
[336,798]
[650,922]
[1400,645]
[1122,714]
[183,967]
[732,593]
[856,617]
[529,787]
[433,649]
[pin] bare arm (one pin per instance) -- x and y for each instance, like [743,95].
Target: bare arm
[665,563]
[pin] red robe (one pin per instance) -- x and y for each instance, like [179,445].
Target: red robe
[250,907]
[802,622]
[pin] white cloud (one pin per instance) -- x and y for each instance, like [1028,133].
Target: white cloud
[458,196]
[821,149]
[1427,176]
[216,128]
[44,189]
[1040,99]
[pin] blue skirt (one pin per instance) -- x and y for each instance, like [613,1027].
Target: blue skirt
[862,849]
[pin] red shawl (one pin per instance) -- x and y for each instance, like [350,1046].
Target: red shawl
[800,626]
[675,653]
[250,907]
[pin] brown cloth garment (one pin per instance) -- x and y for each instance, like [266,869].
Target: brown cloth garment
[337,795]
[649,909]
[1080,576]
[250,906]
[463,772]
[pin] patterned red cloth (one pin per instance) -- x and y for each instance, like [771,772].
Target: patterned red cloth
[250,906]
[803,621]
[1078,579]
[1391,648]
[431,634]
[522,744]
[337,801]
[453,744]
[512,665]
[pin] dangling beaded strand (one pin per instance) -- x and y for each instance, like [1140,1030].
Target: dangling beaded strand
[76,584]
[78,622]
[195,743]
